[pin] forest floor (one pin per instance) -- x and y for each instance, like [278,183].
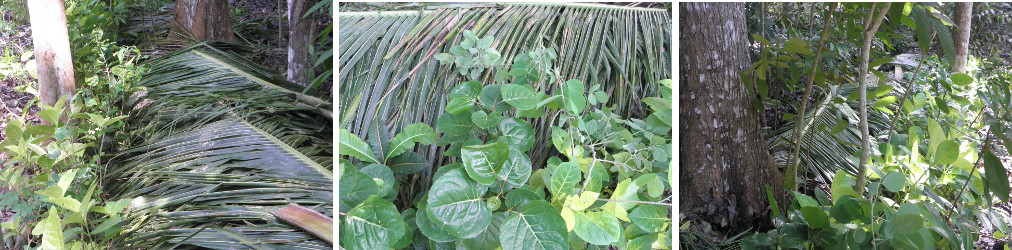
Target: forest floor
[12,102]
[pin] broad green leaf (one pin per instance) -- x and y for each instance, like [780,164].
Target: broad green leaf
[572,93]
[516,134]
[805,200]
[561,139]
[650,218]
[349,144]
[656,103]
[846,209]
[517,198]
[597,228]
[429,228]
[491,97]
[51,230]
[565,177]
[935,135]
[409,163]
[581,201]
[884,101]
[456,201]
[488,238]
[894,181]
[644,242]
[880,61]
[839,127]
[569,218]
[374,224]
[493,203]
[961,79]
[515,171]
[354,188]
[485,121]
[452,124]
[908,223]
[538,226]
[383,177]
[997,180]
[519,96]
[414,133]
[815,217]
[842,185]
[947,153]
[469,89]
[459,105]
[483,162]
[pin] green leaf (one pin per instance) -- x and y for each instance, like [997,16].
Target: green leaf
[51,231]
[581,201]
[469,89]
[935,135]
[452,124]
[644,242]
[383,177]
[842,185]
[414,133]
[50,115]
[484,161]
[947,153]
[519,96]
[815,217]
[374,224]
[516,134]
[650,218]
[459,105]
[805,200]
[597,228]
[354,188]
[349,144]
[409,163]
[429,228]
[537,226]
[485,121]
[880,61]
[997,180]
[884,101]
[489,238]
[846,209]
[572,93]
[456,201]
[565,177]
[491,97]
[961,79]
[894,181]
[515,171]
[486,42]
[839,127]
[908,223]
[880,91]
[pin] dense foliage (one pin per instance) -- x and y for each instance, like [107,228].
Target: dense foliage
[491,196]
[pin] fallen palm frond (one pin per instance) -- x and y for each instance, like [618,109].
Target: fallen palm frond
[388,75]
[222,146]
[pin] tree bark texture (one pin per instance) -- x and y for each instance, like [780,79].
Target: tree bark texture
[725,165]
[202,20]
[52,50]
[961,35]
[299,39]
[871,27]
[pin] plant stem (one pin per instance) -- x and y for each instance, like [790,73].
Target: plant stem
[869,34]
[910,86]
[641,202]
[800,131]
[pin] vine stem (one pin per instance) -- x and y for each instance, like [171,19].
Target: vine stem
[641,202]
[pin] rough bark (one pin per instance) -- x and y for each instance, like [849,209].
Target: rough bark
[961,35]
[52,50]
[300,37]
[202,20]
[725,166]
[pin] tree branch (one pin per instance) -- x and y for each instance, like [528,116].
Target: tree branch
[869,34]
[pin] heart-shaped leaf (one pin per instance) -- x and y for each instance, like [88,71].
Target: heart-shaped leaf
[520,96]
[537,226]
[516,134]
[456,201]
[484,161]
[374,224]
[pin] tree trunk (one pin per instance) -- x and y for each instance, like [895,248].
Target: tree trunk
[299,39]
[202,20]
[52,50]
[961,35]
[725,166]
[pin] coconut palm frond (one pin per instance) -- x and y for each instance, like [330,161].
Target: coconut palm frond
[222,145]
[388,74]
[825,153]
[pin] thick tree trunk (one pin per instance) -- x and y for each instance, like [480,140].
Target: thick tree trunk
[52,50]
[202,20]
[300,36]
[961,35]
[725,166]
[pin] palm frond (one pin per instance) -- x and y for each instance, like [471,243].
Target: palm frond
[223,145]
